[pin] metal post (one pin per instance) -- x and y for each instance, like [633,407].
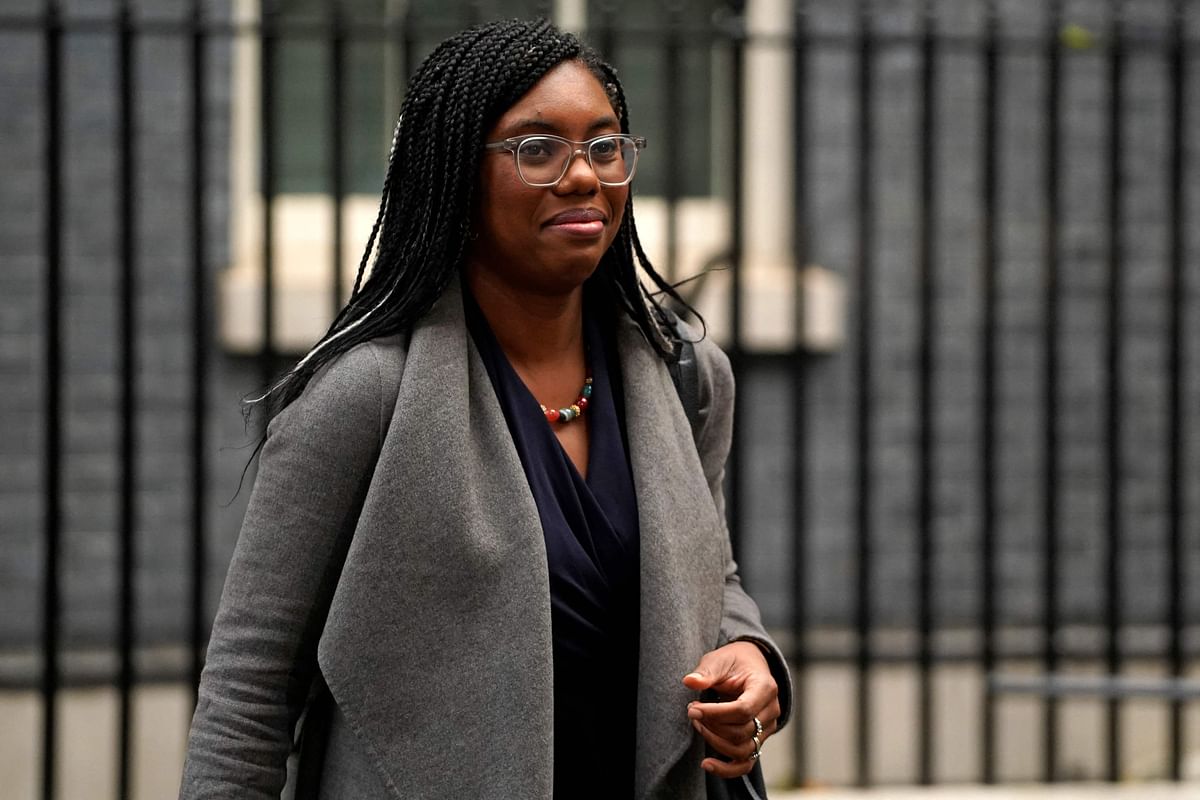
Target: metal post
[1052,201]
[127,337]
[200,344]
[267,43]
[1176,292]
[737,107]
[672,110]
[52,430]
[925,257]
[863,440]
[1114,323]
[988,394]
[799,374]
[337,148]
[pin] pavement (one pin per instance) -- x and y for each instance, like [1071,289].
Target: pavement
[87,756]
[1131,791]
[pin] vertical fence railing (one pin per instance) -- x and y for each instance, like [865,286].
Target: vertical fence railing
[267,44]
[926,256]
[337,150]
[1052,335]
[52,449]
[864,445]
[1114,323]
[801,230]
[672,116]
[735,30]
[1176,404]
[127,315]
[197,65]
[988,411]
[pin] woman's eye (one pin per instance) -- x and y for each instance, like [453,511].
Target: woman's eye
[604,150]
[536,150]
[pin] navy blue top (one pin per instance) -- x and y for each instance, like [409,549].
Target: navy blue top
[591,532]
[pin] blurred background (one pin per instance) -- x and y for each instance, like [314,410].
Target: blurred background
[951,248]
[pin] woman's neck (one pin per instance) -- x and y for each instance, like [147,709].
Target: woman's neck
[536,331]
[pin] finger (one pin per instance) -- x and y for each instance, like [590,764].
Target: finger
[736,750]
[714,667]
[738,741]
[742,732]
[727,769]
[738,711]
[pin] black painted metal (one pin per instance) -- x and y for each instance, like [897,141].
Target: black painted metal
[1114,323]
[1051,294]
[605,36]
[197,620]
[989,409]
[926,377]
[268,41]
[408,42]
[127,337]
[799,383]
[1176,289]
[52,494]
[337,149]
[672,110]
[737,75]
[863,440]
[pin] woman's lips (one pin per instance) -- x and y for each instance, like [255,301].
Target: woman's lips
[594,228]
[578,222]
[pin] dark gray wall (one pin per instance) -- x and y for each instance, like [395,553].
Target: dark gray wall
[831,111]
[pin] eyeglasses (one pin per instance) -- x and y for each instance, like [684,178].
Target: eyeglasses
[542,159]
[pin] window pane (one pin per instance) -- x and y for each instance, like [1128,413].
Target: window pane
[374,81]
[641,62]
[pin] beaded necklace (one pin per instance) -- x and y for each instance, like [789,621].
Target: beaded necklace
[573,411]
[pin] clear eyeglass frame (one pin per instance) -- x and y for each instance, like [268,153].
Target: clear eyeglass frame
[513,145]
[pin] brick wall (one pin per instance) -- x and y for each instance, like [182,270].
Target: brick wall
[90,423]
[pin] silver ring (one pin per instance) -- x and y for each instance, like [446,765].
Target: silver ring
[757,748]
[757,727]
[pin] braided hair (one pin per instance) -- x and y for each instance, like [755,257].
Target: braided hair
[421,232]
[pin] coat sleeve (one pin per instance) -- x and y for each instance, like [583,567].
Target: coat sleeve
[740,619]
[312,476]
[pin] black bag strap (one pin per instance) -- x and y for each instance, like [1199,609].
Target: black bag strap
[685,373]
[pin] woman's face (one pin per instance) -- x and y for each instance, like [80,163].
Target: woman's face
[531,238]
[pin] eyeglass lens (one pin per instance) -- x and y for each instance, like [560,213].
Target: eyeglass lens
[542,160]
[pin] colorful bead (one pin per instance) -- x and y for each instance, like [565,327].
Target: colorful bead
[575,410]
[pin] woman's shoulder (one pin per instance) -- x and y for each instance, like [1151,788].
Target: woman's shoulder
[363,380]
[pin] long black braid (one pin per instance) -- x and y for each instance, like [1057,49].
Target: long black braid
[420,236]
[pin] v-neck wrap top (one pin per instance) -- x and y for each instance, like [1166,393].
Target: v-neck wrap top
[591,533]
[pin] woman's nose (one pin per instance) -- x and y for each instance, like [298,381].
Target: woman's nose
[579,175]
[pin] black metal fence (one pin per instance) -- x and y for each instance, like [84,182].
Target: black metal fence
[1113,39]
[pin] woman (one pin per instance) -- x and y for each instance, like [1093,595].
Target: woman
[483,527]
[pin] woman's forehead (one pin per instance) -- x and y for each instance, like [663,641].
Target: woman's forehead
[568,96]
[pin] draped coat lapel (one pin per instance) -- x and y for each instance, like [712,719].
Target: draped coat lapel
[438,640]
[682,565]
[449,556]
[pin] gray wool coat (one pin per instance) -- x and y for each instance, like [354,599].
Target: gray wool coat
[393,547]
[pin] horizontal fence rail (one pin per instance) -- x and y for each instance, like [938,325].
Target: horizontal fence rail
[991,469]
